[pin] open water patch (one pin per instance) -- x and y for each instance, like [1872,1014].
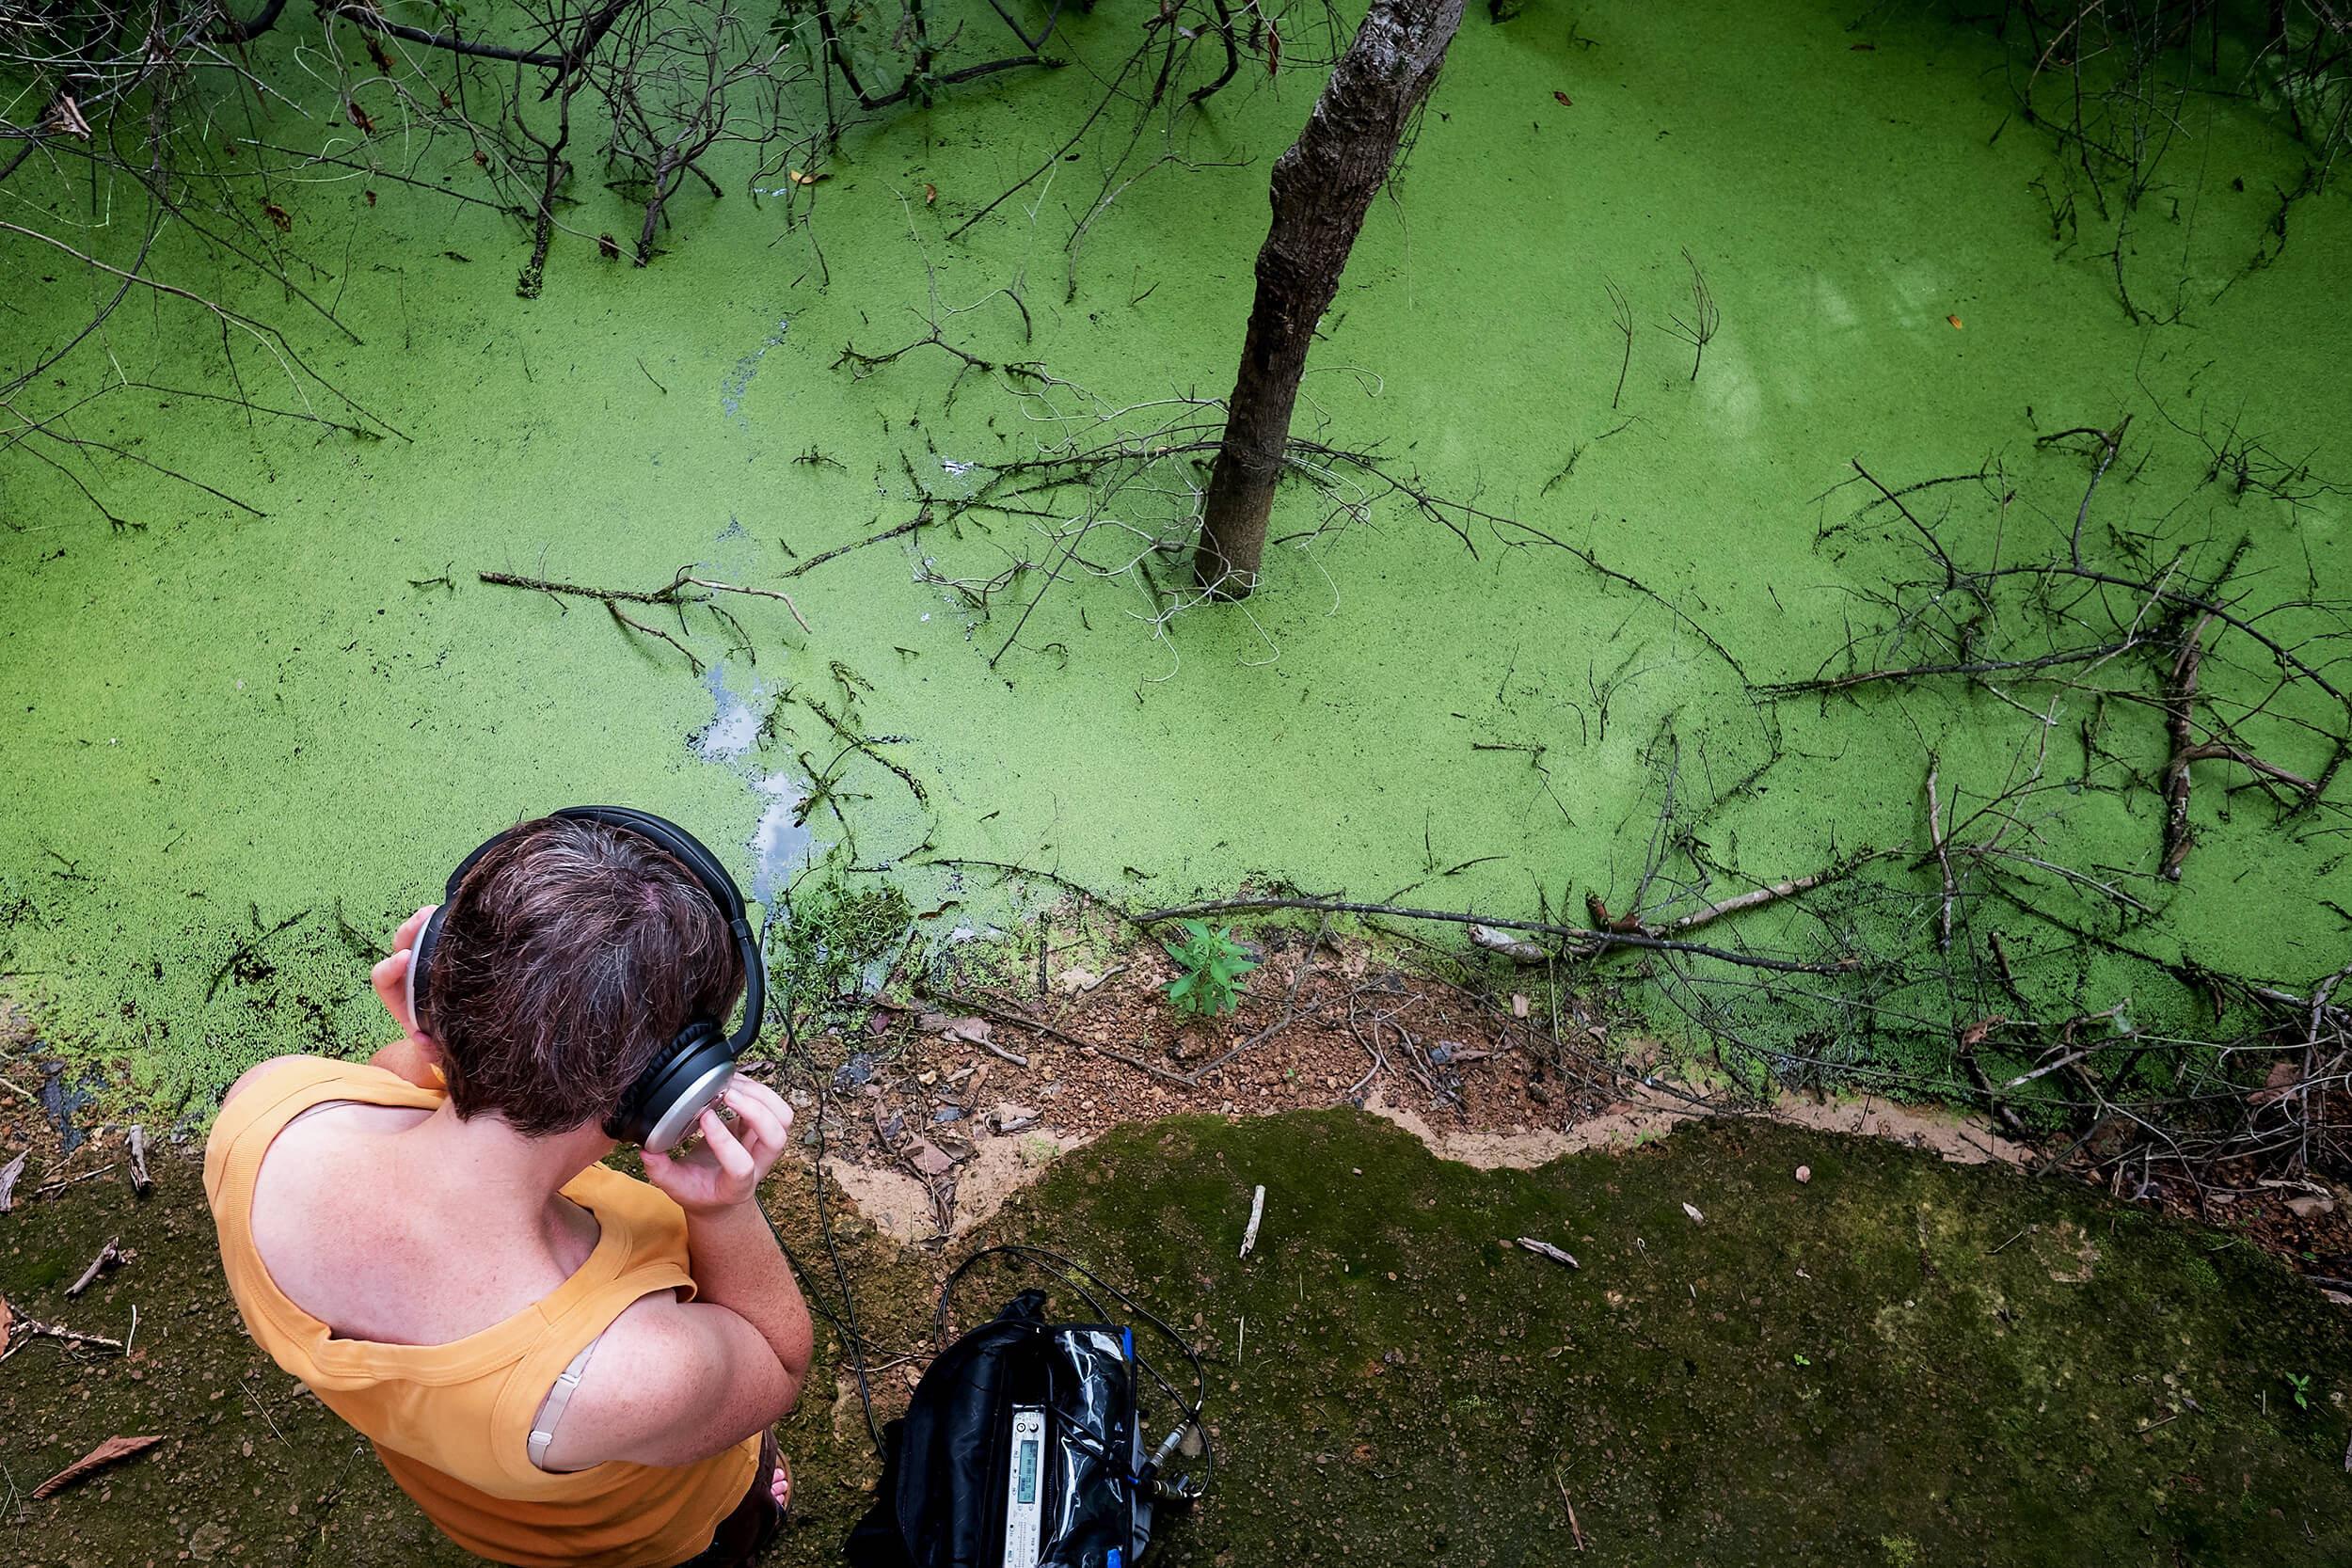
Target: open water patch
[739,379]
[781,844]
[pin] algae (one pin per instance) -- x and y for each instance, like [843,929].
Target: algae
[242,746]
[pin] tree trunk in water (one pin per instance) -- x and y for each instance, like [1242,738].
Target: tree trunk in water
[1322,188]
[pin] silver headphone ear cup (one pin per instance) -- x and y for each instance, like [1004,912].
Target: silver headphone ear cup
[660,1107]
[678,1118]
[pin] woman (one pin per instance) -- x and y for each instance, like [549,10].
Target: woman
[566,1367]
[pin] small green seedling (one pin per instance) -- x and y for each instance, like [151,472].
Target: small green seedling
[1805,1360]
[1213,965]
[2301,1385]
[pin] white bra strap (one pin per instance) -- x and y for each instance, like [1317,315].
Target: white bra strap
[551,1408]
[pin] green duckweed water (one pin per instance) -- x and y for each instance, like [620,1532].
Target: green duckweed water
[240,743]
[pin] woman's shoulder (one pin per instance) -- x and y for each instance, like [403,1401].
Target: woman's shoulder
[270,1066]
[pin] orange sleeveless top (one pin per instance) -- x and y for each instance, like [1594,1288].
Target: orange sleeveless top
[452,1423]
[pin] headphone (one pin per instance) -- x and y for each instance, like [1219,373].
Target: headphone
[699,1063]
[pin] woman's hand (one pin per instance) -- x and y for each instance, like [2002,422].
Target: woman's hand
[390,974]
[727,1169]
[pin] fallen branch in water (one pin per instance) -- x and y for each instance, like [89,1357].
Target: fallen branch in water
[1582,941]
[816,561]
[673,594]
[1764,895]
[1943,858]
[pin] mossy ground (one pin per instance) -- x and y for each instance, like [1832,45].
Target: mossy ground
[1848,1370]
[1900,1361]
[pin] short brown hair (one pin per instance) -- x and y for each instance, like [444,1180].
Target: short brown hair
[572,953]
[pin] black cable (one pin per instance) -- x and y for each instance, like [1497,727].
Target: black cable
[1042,1257]
[852,1338]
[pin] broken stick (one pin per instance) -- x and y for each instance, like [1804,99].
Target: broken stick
[140,1181]
[33,1328]
[1509,946]
[1257,1213]
[1788,888]
[2179,721]
[1943,857]
[110,1253]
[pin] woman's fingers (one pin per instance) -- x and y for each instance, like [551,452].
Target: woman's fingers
[760,1122]
[391,978]
[390,974]
[406,935]
[731,1155]
[774,1103]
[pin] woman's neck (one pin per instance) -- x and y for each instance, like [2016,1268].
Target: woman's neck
[485,1163]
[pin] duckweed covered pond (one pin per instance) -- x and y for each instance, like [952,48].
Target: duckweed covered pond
[1900,1361]
[249,727]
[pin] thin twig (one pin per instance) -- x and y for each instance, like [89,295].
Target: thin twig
[107,1254]
[1585,941]
[1765,895]
[1935,837]
[1574,1529]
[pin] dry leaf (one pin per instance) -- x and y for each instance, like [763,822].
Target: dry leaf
[105,1453]
[929,1159]
[66,117]
[8,1173]
[1565,102]
[8,1320]
[974,1030]
[1955,321]
[800,178]
[930,195]
[1694,1214]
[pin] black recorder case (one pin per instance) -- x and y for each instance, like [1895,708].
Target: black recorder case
[951,1466]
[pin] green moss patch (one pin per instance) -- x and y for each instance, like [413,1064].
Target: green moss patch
[1899,1361]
